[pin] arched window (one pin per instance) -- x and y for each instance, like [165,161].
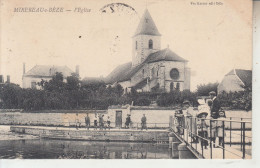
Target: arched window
[143,73]
[136,45]
[171,86]
[178,86]
[150,44]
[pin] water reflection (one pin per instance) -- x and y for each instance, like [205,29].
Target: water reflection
[56,149]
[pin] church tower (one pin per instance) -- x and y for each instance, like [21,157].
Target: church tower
[146,39]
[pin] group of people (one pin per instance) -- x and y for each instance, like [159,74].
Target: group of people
[98,121]
[204,124]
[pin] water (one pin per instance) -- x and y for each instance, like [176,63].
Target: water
[54,149]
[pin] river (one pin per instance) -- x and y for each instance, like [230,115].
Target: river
[60,149]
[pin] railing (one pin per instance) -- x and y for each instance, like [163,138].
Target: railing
[235,136]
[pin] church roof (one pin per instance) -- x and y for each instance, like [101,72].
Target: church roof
[118,73]
[147,26]
[244,75]
[141,84]
[164,55]
[126,71]
[48,71]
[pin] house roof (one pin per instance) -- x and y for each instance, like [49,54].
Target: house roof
[244,75]
[147,26]
[126,71]
[48,71]
[92,80]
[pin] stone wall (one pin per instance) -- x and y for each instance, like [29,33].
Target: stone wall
[55,119]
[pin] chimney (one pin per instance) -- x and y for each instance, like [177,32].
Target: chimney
[8,79]
[77,70]
[1,79]
[23,68]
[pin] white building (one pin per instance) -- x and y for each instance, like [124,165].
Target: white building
[44,72]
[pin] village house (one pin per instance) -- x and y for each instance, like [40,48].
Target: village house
[152,68]
[44,72]
[235,81]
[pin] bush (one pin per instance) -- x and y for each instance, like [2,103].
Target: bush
[142,101]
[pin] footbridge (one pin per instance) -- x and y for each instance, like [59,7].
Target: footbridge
[229,138]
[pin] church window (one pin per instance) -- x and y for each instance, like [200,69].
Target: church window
[143,72]
[136,45]
[150,44]
[178,86]
[158,73]
[171,86]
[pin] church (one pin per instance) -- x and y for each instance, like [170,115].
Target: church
[152,68]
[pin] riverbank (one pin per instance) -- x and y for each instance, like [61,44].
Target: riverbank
[6,134]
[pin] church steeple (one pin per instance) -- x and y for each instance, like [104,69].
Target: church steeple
[147,26]
[146,39]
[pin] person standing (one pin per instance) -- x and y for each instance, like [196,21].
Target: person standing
[95,121]
[128,121]
[191,125]
[77,123]
[214,109]
[101,120]
[87,121]
[202,125]
[220,131]
[108,122]
[143,122]
[214,114]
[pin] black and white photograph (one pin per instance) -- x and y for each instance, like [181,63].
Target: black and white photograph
[127,79]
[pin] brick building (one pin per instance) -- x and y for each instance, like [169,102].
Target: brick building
[152,68]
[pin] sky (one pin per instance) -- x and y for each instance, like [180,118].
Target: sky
[214,38]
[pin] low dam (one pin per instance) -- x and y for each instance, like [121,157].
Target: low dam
[124,135]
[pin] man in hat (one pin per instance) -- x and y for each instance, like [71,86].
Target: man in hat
[143,122]
[87,121]
[128,121]
[214,109]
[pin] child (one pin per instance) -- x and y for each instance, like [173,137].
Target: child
[202,125]
[220,134]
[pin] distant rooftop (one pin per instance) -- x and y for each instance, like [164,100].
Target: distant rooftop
[48,71]
[244,75]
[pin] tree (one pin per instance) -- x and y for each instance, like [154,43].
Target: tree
[204,89]
[55,84]
[73,82]
[10,94]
